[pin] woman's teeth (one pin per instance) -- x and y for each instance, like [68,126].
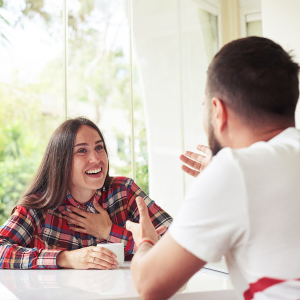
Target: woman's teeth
[94,171]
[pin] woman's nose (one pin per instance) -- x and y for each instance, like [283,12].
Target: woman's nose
[94,157]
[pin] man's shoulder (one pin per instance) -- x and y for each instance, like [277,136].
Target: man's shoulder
[226,158]
[283,148]
[258,158]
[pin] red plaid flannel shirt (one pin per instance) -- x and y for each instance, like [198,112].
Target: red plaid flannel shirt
[32,239]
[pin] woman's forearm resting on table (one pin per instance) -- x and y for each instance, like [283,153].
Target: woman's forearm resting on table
[13,256]
[15,236]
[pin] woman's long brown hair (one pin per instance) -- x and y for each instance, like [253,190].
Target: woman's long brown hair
[50,185]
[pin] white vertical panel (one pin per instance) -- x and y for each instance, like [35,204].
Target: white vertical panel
[65,57]
[281,23]
[181,99]
[199,44]
[131,91]
[157,44]
[174,47]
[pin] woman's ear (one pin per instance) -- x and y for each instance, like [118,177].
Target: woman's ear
[219,114]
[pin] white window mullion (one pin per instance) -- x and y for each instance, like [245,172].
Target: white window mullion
[65,57]
[133,167]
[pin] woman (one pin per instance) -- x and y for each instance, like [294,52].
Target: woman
[72,205]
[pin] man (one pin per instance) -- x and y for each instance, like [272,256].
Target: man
[245,204]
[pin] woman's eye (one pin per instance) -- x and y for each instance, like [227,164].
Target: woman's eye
[99,148]
[81,151]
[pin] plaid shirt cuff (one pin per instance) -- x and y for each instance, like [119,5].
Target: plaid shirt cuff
[47,259]
[117,234]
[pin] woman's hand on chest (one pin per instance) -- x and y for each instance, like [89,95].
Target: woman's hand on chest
[98,225]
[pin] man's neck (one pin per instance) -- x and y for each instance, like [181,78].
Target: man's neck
[246,137]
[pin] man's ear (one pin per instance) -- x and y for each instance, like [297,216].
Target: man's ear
[219,113]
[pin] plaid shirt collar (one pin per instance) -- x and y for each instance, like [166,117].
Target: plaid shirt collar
[87,206]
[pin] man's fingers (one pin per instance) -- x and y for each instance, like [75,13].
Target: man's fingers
[183,158]
[192,163]
[195,156]
[190,171]
[143,209]
[131,226]
[204,149]
[128,225]
[160,230]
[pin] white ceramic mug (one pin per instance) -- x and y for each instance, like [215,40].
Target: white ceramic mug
[116,248]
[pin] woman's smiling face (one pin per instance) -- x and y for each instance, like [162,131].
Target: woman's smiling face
[89,166]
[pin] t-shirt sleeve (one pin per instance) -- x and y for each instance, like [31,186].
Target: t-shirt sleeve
[213,217]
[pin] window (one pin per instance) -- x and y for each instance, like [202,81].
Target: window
[251,19]
[254,25]
[136,68]
[174,44]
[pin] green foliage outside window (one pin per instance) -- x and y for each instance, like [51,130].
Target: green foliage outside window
[23,136]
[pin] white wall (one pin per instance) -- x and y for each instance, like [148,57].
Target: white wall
[281,23]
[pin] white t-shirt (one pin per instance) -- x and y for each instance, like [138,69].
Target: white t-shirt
[246,205]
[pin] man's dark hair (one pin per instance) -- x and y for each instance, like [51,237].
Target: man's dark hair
[256,78]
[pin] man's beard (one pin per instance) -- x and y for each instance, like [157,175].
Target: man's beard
[214,144]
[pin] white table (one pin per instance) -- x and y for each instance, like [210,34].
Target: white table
[98,284]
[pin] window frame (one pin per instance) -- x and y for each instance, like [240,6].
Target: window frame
[213,7]
[250,11]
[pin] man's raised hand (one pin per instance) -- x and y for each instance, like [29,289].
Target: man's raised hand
[145,229]
[195,162]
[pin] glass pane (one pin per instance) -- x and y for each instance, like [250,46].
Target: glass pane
[209,30]
[157,60]
[31,90]
[140,130]
[254,28]
[99,73]
[199,32]
[200,38]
